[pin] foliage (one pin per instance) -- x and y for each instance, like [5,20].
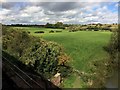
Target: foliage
[113,49]
[48,25]
[51,31]
[84,48]
[88,27]
[58,31]
[45,57]
[39,32]
[66,70]
[59,25]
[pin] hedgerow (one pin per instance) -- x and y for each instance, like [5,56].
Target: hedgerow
[45,57]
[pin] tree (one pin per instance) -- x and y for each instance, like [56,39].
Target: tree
[59,25]
[48,25]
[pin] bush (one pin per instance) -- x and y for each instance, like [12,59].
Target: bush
[39,32]
[73,30]
[65,71]
[51,31]
[44,56]
[96,30]
[58,31]
[28,32]
[106,28]
[113,49]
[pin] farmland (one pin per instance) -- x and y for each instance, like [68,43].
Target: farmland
[69,44]
[83,47]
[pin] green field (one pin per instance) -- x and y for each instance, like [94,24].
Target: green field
[83,47]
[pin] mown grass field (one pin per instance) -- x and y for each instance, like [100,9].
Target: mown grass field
[83,47]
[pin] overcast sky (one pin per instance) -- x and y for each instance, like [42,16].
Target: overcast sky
[66,12]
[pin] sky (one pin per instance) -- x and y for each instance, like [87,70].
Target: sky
[52,12]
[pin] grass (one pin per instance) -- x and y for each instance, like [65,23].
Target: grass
[34,29]
[83,47]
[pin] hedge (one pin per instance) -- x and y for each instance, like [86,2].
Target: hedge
[45,57]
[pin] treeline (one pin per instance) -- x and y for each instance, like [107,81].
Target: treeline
[58,25]
[93,27]
[44,57]
[26,25]
[73,27]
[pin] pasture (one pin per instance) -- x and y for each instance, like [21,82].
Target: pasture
[83,47]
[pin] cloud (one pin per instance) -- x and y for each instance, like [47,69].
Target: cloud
[57,7]
[32,9]
[7,5]
[67,12]
[116,5]
[60,0]
[2,0]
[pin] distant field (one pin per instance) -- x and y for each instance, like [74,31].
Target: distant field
[32,29]
[83,47]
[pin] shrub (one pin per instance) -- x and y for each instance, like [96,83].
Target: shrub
[28,32]
[106,28]
[44,56]
[51,31]
[65,71]
[109,25]
[58,31]
[39,32]
[96,30]
[113,49]
[73,30]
